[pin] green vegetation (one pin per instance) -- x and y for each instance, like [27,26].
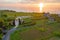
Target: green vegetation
[44,29]
[39,31]
[38,27]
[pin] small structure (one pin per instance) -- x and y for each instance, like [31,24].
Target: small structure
[47,14]
[59,15]
[49,17]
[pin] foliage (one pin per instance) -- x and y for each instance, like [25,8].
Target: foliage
[38,22]
[56,33]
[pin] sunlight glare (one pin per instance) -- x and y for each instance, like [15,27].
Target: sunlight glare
[41,7]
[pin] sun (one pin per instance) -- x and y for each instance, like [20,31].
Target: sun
[41,7]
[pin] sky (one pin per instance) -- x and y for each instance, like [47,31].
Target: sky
[28,1]
[30,5]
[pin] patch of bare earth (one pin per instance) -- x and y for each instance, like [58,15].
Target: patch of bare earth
[30,35]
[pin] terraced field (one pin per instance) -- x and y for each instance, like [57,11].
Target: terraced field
[40,26]
[42,30]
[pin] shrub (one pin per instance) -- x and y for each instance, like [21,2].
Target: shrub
[57,34]
[42,29]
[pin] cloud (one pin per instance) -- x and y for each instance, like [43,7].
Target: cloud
[27,1]
[9,1]
[53,1]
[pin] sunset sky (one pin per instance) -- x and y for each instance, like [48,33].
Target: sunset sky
[30,5]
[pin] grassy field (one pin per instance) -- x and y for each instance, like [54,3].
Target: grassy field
[38,27]
[42,30]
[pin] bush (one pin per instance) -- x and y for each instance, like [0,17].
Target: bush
[1,36]
[57,34]
[4,15]
[42,29]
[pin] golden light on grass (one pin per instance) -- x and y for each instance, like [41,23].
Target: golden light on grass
[41,7]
